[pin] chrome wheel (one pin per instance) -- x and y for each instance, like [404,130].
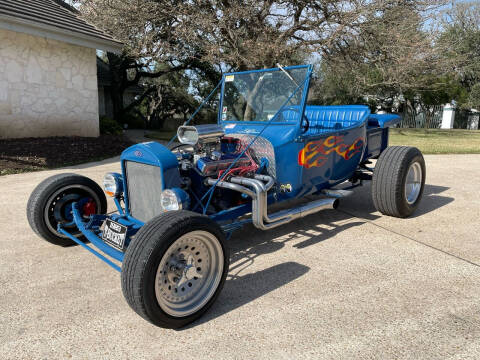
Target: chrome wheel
[413,182]
[189,273]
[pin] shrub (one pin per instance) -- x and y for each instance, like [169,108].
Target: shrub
[109,126]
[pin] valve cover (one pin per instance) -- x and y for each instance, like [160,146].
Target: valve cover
[209,167]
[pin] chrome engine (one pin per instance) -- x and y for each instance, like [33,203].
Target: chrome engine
[213,152]
[211,167]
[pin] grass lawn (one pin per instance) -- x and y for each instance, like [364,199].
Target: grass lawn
[437,141]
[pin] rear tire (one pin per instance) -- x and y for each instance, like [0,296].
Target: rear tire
[48,205]
[398,181]
[175,268]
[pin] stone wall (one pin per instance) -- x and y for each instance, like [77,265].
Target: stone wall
[47,88]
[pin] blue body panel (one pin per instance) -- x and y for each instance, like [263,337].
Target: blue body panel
[335,157]
[332,146]
[383,120]
[151,153]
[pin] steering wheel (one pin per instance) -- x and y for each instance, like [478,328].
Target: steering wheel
[304,118]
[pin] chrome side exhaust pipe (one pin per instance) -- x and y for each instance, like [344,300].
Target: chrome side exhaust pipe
[261,218]
[285,216]
[257,189]
[229,185]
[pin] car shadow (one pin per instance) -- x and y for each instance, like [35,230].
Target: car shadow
[431,200]
[248,244]
[302,233]
[360,203]
[243,289]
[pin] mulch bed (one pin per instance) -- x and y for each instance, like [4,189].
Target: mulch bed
[31,154]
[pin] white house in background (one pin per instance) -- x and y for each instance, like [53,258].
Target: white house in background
[48,70]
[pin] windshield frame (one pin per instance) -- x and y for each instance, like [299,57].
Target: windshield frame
[306,86]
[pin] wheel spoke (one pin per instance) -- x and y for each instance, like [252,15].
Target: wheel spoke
[189,273]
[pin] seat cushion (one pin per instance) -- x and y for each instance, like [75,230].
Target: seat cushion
[324,119]
[332,118]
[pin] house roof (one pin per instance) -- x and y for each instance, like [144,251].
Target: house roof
[56,20]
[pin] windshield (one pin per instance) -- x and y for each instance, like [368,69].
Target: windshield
[257,96]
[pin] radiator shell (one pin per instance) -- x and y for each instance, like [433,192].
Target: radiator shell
[148,169]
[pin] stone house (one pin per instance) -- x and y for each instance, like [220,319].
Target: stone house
[48,70]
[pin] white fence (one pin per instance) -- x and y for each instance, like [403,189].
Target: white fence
[466,119]
[440,116]
[429,118]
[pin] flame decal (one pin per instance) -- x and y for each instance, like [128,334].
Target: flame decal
[315,153]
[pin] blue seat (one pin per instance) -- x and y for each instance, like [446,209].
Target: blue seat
[324,119]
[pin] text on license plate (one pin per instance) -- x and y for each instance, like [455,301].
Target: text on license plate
[114,234]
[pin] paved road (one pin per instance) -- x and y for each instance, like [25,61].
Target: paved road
[344,284]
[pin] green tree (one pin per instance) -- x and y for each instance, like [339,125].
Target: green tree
[391,54]
[377,48]
[474,97]
[461,43]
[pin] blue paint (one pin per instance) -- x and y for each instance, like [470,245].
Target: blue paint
[269,70]
[383,120]
[118,206]
[232,213]
[183,197]
[153,153]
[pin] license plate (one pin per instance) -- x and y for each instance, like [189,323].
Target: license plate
[114,234]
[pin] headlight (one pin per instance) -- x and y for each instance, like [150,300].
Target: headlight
[113,184]
[174,199]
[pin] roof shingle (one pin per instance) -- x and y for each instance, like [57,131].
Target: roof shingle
[54,15]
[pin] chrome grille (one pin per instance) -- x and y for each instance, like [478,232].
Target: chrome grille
[144,186]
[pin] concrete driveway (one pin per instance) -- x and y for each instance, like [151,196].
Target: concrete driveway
[342,284]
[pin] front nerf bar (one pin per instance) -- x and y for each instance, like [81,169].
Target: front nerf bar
[85,229]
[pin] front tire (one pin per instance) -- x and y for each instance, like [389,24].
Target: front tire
[175,268]
[50,205]
[398,181]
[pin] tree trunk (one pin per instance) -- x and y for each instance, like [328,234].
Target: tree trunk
[117,101]
[118,78]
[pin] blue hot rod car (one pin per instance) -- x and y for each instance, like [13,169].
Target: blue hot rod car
[177,205]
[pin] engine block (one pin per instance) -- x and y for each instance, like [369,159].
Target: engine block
[209,167]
